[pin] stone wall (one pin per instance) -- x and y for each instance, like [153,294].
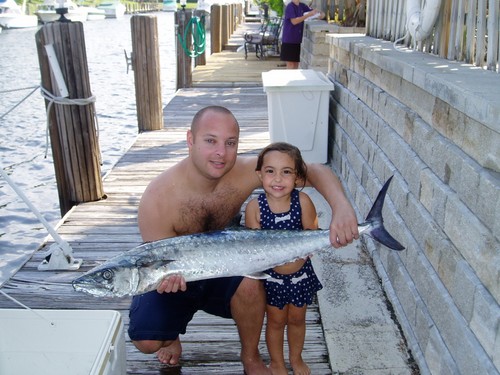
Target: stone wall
[435,125]
[315,49]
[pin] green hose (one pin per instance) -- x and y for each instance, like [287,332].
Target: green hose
[196,27]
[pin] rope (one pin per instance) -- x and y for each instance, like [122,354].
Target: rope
[22,100]
[399,49]
[197,30]
[26,307]
[64,101]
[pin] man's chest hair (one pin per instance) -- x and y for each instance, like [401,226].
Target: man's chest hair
[210,212]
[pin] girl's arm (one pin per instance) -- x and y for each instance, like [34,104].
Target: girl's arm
[309,215]
[252,215]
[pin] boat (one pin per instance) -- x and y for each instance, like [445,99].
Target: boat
[46,12]
[113,9]
[169,5]
[12,16]
[94,14]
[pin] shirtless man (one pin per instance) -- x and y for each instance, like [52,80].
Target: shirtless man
[204,192]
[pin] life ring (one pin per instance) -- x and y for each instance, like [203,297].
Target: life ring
[420,19]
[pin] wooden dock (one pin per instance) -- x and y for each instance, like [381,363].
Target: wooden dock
[100,230]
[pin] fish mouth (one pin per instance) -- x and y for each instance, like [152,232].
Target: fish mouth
[89,287]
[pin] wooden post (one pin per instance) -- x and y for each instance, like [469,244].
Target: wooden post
[216,28]
[184,73]
[146,65]
[225,26]
[201,59]
[72,128]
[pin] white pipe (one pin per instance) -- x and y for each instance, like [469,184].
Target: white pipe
[420,20]
[64,245]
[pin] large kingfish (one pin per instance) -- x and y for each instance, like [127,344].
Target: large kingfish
[230,252]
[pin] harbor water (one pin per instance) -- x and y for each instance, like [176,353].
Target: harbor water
[23,140]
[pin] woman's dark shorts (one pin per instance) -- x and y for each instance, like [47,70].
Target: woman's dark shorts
[290,52]
[155,316]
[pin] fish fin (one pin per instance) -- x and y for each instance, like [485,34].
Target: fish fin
[258,276]
[376,210]
[379,233]
[154,263]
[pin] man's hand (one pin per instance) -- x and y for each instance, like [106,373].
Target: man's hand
[172,284]
[344,227]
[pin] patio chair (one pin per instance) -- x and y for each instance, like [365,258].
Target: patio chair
[265,39]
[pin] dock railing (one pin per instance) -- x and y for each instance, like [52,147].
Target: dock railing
[466,31]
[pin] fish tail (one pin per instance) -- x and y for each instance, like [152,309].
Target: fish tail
[379,233]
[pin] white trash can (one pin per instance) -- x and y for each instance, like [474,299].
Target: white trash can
[297,105]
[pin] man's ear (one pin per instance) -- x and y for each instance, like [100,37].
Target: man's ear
[189,138]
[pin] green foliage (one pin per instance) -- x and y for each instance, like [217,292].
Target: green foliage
[276,5]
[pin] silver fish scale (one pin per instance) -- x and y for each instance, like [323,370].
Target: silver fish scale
[226,253]
[235,252]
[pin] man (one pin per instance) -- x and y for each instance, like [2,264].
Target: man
[203,192]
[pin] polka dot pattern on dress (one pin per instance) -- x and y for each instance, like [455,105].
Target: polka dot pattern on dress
[300,287]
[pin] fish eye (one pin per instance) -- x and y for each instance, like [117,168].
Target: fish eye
[107,274]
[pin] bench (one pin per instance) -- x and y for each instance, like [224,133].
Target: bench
[267,38]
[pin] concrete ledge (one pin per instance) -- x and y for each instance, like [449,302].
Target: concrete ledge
[361,332]
[472,90]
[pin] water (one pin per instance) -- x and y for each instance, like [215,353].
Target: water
[22,131]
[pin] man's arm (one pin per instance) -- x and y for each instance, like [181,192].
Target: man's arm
[344,224]
[154,225]
[153,222]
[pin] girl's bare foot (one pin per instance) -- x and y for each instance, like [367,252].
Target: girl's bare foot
[299,367]
[170,354]
[254,366]
[278,368]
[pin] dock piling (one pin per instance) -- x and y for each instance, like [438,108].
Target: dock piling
[146,67]
[72,121]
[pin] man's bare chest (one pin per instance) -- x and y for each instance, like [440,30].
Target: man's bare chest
[210,212]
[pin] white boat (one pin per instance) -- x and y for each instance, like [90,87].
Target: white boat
[169,5]
[46,12]
[113,9]
[94,14]
[12,16]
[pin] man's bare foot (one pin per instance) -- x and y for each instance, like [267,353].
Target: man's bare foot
[299,367]
[255,366]
[278,368]
[171,353]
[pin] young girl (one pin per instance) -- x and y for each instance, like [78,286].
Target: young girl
[292,286]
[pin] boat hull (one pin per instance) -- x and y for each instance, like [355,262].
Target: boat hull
[113,10]
[18,22]
[94,14]
[47,16]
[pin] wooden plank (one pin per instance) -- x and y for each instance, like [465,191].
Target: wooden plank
[100,230]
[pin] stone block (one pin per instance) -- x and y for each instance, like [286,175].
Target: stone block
[437,356]
[485,322]
[475,242]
